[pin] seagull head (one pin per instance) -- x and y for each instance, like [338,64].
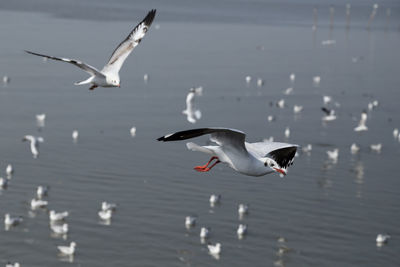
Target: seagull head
[113,81]
[272,164]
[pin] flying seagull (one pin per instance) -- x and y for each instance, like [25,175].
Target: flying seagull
[253,159]
[109,75]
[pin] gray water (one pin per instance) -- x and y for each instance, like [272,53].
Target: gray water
[329,213]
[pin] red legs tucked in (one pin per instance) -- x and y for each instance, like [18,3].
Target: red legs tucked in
[205,167]
[92,87]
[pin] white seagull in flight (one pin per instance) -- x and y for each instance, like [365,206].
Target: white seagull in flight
[191,112]
[34,144]
[109,75]
[253,159]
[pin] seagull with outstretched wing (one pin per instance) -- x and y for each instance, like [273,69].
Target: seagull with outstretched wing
[109,75]
[253,159]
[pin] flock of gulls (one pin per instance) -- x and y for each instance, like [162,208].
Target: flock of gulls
[230,146]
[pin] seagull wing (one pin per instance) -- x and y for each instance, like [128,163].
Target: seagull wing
[225,137]
[123,50]
[282,153]
[89,69]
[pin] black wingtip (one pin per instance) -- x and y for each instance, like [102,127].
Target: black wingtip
[150,17]
[162,138]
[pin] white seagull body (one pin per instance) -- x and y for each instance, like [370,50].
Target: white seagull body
[109,75]
[58,216]
[204,232]
[40,120]
[253,159]
[34,144]
[243,209]
[215,199]
[190,221]
[333,154]
[382,239]
[59,229]
[3,183]
[214,249]
[67,250]
[105,214]
[362,124]
[242,230]
[191,112]
[42,191]
[9,170]
[354,148]
[11,221]
[38,203]
[16,264]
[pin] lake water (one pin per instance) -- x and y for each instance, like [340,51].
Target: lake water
[329,213]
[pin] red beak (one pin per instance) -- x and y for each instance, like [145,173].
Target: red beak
[280,171]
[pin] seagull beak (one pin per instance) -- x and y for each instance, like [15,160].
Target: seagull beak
[281,171]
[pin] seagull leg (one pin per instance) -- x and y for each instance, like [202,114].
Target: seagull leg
[92,87]
[205,168]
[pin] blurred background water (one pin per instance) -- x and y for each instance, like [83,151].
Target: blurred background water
[329,213]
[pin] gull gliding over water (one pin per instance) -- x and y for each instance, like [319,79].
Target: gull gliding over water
[191,112]
[109,75]
[253,159]
[34,141]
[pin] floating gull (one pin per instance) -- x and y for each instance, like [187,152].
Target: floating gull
[11,221]
[204,232]
[316,80]
[40,120]
[214,200]
[3,183]
[254,159]
[361,125]
[382,239]
[105,214]
[58,216]
[395,133]
[146,78]
[108,206]
[67,250]
[248,79]
[354,148]
[297,109]
[133,131]
[241,231]
[333,155]
[109,75]
[271,118]
[260,82]
[327,99]
[243,209]
[190,221]
[34,143]
[42,190]
[191,112]
[329,114]
[59,229]
[6,79]
[9,170]
[281,103]
[292,77]
[287,132]
[75,135]
[214,250]
[38,203]
[376,147]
